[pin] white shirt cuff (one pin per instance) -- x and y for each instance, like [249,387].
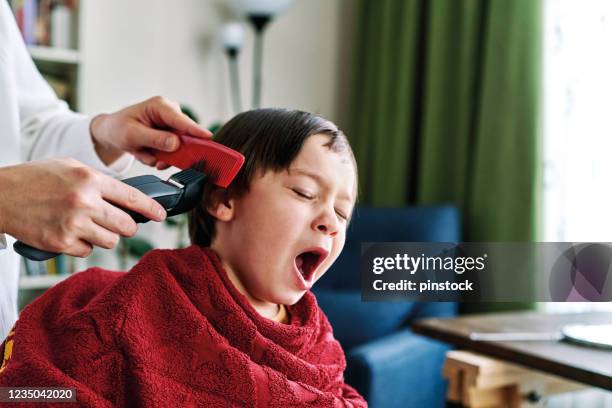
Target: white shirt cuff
[2,241]
[122,164]
[85,151]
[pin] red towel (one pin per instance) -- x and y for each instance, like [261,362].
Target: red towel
[172,332]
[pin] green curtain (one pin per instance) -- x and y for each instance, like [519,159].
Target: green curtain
[446,109]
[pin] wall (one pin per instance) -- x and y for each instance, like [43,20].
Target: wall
[136,49]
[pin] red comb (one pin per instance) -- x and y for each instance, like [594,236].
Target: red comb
[221,164]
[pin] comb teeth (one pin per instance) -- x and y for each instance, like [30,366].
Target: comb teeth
[221,164]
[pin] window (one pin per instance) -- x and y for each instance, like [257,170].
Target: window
[577,149]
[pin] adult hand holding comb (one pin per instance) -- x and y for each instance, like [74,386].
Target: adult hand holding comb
[142,129]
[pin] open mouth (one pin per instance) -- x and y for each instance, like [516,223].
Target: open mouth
[308,261]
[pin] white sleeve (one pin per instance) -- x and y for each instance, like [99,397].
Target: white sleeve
[48,127]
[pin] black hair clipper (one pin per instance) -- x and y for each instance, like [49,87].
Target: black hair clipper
[179,194]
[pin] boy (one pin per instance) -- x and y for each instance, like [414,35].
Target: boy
[228,321]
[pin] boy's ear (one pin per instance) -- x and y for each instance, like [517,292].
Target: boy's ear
[220,205]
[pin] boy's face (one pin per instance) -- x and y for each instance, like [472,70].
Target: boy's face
[286,231]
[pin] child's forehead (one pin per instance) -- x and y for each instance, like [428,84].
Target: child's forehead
[322,162]
[321,146]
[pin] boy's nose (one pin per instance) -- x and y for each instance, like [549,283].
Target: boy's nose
[327,223]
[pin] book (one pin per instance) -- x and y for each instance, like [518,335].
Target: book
[46,22]
[26,15]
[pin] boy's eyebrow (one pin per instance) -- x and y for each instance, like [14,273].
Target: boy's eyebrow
[317,177]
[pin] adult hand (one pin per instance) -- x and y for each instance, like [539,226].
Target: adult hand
[61,205]
[152,124]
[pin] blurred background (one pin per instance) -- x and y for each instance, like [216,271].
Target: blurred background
[497,108]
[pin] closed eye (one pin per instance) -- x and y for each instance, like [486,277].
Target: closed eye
[303,194]
[341,215]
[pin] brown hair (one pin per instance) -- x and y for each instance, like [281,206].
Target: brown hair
[269,139]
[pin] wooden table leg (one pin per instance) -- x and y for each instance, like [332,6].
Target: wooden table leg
[477,381]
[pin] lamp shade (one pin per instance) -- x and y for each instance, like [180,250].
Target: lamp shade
[232,35]
[269,8]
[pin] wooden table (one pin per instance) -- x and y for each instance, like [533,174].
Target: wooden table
[511,367]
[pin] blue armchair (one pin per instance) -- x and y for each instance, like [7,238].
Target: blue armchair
[387,363]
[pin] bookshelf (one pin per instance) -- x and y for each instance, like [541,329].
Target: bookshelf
[40,282]
[54,55]
[50,28]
